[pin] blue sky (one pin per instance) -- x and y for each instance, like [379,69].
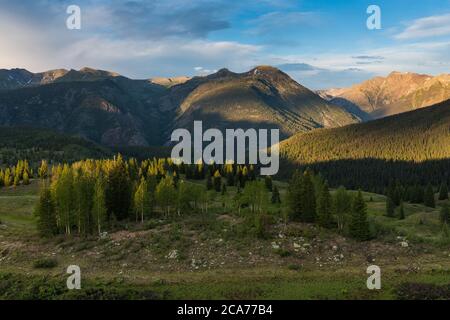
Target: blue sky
[320,43]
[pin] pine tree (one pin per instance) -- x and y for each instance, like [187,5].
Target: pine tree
[443,192]
[324,207]
[217,181]
[308,198]
[390,207]
[45,213]
[359,225]
[209,183]
[224,189]
[429,197]
[401,211]
[445,214]
[268,182]
[294,194]
[118,189]
[275,195]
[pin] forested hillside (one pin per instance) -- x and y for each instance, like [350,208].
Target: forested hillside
[409,146]
[36,144]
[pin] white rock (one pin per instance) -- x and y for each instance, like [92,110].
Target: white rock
[172,254]
[404,244]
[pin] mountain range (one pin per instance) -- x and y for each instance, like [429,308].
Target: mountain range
[398,92]
[113,110]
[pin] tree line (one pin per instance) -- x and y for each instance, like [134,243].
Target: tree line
[92,196]
[309,200]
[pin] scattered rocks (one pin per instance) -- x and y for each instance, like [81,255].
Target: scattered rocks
[404,244]
[172,255]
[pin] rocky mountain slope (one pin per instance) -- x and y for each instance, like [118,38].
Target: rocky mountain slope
[263,97]
[117,111]
[396,93]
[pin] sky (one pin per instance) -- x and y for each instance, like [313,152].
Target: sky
[320,43]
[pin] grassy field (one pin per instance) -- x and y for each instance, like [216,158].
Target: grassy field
[217,256]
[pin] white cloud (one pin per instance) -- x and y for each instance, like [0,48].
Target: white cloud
[432,26]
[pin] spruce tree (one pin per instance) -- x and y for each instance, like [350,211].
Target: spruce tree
[224,189]
[324,207]
[209,183]
[268,182]
[275,195]
[308,198]
[217,181]
[359,225]
[401,211]
[118,189]
[443,192]
[445,214]
[429,197]
[45,213]
[294,194]
[390,207]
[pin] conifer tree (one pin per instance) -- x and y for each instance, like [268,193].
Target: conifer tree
[359,225]
[268,182]
[390,207]
[308,198]
[445,214]
[324,207]
[209,183]
[224,189]
[45,213]
[217,181]
[429,197]
[401,211]
[443,192]
[294,195]
[118,189]
[275,195]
